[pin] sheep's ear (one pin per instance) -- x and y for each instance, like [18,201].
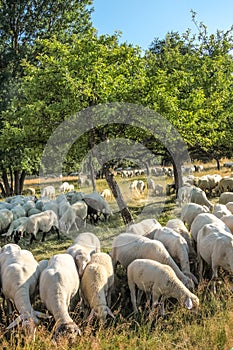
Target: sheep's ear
[188,303]
[110,312]
[16,322]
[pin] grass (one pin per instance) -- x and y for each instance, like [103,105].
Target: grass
[211,328]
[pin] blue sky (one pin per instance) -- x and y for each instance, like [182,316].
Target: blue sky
[142,21]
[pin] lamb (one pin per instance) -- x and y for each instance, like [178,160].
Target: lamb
[190,210]
[178,248]
[160,279]
[220,210]
[145,227]
[198,196]
[203,219]
[95,289]
[49,192]
[226,197]
[44,222]
[6,217]
[127,247]
[58,285]
[67,221]
[84,246]
[215,247]
[20,274]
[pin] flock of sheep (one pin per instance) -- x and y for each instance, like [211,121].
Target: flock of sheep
[160,261]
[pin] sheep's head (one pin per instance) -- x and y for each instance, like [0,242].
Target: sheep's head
[69,330]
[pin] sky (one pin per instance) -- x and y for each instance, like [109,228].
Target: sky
[140,21]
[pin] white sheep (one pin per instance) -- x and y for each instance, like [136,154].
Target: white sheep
[190,210]
[137,187]
[66,187]
[80,209]
[14,225]
[225,185]
[160,279]
[50,205]
[49,192]
[226,197]
[177,247]
[215,247]
[18,211]
[6,217]
[95,290]
[203,219]
[67,217]
[145,227]
[184,193]
[178,226]
[58,285]
[220,210]
[106,194]
[44,222]
[127,247]
[85,244]
[30,204]
[228,221]
[208,183]
[19,276]
[198,196]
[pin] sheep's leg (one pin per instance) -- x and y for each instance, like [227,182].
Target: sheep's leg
[133,295]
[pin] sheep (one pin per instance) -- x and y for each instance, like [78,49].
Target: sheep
[127,247]
[228,220]
[225,197]
[67,217]
[49,192]
[95,289]
[160,279]
[18,211]
[85,244]
[66,187]
[198,196]
[97,205]
[177,247]
[145,227]
[6,217]
[20,274]
[225,185]
[215,247]
[30,190]
[14,225]
[58,285]
[106,260]
[43,222]
[30,204]
[208,183]
[229,206]
[203,219]
[178,226]
[183,194]
[51,205]
[220,210]
[106,194]
[190,210]
[33,211]
[80,209]
[75,197]
[137,186]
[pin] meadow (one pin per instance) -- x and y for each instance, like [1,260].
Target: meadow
[210,328]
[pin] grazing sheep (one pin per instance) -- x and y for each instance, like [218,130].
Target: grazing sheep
[203,219]
[106,194]
[226,197]
[85,244]
[225,185]
[208,183]
[49,192]
[80,209]
[51,205]
[30,204]
[228,221]
[220,210]
[18,211]
[190,210]
[33,211]
[97,206]
[215,247]
[178,226]
[67,217]
[229,206]
[44,222]
[66,187]
[160,279]
[127,247]
[145,227]
[30,191]
[58,285]
[95,289]
[6,217]
[19,276]
[198,196]
[14,225]
[177,247]
[137,187]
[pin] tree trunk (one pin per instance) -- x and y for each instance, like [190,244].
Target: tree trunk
[218,163]
[92,174]
[21,181]
[16,182]
[177,175]
[8,190]
[125,213]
